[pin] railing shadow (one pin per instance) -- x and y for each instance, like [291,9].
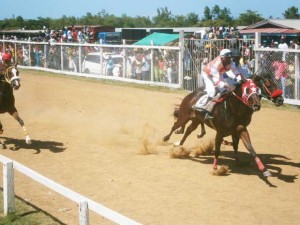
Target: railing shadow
[35,209]
[37,145]
[247,166]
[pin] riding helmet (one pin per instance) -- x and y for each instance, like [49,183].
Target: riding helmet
[6,57]
[225,53]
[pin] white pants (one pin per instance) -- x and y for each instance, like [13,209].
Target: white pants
[210,90]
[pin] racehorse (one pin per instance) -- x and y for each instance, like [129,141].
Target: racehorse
[185,112]
[231,116]
[9,82]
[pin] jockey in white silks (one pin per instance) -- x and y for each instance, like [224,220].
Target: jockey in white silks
[213,78]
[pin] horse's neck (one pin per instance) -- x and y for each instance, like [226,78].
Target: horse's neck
[239,108]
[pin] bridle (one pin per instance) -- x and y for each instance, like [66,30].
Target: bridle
[15,76]
[271,95]
[245,97]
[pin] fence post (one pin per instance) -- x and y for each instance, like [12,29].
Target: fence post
[8,188]
[257,45]
[83,213]
[181,59]
[297,75]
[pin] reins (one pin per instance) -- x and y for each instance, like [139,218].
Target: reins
[239,98]
[266,88]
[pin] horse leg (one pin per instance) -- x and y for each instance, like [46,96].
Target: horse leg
[235,144]
[189,130]
[2,145]
[244,135]
[218,142]
[16,116]
[176,125]
[203,132]
[181,130]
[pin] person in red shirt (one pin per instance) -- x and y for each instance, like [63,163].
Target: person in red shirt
[213,78]
[6,62]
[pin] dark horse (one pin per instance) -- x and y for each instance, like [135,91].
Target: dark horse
[9,82]
[231,117]
[185,112]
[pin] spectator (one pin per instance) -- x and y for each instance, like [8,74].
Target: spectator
[37,55]
[146,67]
[110,66]
[283,45]
[6,61]
[281,72]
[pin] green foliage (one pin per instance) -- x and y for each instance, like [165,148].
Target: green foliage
[249,17]
[291,13]
[215,16]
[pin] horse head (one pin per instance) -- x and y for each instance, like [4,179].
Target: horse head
[249,93]
[269,89]
[11,76]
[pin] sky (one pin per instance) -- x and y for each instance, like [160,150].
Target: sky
[32,9]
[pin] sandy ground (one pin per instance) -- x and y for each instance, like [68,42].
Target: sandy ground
[94,138]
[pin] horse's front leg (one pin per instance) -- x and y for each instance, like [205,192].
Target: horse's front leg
[189,130]
[1,128]
[21,122]
[180,130]
[203,132]
[244,135]
[2,145]
[218,142]
[235,145]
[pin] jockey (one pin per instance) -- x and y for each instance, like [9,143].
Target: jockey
[213,78]
[6,62]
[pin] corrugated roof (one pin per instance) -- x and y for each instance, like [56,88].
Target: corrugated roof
[280,23]
[270,30]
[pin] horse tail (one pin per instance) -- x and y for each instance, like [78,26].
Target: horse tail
[175,113]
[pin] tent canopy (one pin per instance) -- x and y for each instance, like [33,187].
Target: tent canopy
[159,39]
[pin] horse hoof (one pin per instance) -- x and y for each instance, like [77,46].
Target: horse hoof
[200,135]
[176,144]
[267,173]
[165,139]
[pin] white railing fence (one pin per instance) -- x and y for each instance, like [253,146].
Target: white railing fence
[85,204]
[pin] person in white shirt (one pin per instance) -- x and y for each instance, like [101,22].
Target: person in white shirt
[283,45]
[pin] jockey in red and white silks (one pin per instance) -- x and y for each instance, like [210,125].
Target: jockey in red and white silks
[213,77]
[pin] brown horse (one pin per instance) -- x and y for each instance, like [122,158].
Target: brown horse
[185,112]
[231,117]
[9,82]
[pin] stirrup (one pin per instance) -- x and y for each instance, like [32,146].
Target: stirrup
[208,116]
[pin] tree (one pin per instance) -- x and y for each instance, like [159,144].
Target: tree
[248,18]
[191,19]
[163,18]
[225,15]
[215,12]
[291,13]
[207,13]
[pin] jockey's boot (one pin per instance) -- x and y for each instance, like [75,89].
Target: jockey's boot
[206,109]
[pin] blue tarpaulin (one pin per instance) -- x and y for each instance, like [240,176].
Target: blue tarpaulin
[158,39]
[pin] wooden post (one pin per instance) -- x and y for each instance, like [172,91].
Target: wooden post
[83,213]
[8,188]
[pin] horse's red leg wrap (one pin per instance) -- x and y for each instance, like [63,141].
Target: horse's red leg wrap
[260,165]
[215,164]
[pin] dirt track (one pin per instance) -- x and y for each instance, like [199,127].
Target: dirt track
[92,138]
